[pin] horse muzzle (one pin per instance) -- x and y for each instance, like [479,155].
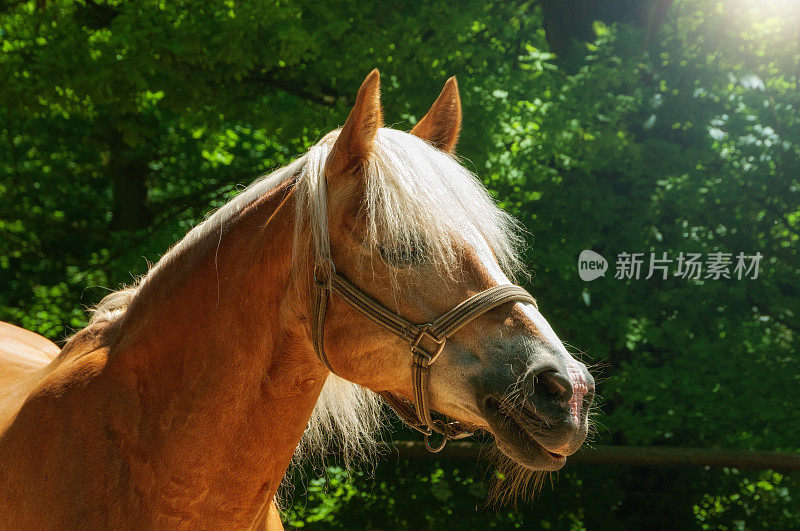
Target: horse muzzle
[546,419]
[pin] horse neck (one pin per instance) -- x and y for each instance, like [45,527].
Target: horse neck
[214,352]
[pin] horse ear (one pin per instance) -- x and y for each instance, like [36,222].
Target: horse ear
[442,124]
[358,133]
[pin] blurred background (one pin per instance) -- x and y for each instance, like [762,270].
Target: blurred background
[618,126]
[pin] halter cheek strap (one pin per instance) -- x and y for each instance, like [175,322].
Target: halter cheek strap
[426,343]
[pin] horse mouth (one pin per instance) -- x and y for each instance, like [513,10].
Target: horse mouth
[514,430]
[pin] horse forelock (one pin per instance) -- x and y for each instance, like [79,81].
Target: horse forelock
[413,194]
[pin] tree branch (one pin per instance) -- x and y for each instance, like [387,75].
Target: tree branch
[328,96]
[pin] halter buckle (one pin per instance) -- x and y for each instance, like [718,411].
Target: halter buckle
[420,352]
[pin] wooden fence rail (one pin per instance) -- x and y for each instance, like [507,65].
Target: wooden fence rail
[620,455]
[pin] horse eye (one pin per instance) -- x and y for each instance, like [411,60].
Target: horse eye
[403,255]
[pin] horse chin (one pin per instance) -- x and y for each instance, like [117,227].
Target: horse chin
[516,444]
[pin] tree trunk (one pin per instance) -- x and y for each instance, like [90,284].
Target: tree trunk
[568,23]
[128,171]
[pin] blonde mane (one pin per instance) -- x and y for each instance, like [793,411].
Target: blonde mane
[415,194]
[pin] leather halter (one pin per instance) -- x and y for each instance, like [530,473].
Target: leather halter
[426,341]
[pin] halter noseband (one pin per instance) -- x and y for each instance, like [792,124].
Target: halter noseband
[427,342]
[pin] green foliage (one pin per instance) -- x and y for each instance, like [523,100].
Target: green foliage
[431,494]
[408,495]
[768,495]
[123,123]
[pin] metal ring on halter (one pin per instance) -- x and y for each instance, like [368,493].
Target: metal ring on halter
[435,449]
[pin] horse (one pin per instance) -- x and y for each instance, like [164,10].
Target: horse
[278,327]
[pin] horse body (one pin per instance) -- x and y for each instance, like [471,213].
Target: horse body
[23,358]
[184,400]
[49,447]
[60,463]
[165,417]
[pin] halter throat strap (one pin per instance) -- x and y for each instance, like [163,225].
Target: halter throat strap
[427,341]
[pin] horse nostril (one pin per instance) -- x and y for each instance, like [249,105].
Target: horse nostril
[553,386]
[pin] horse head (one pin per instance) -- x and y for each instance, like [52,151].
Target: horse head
[412,236]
